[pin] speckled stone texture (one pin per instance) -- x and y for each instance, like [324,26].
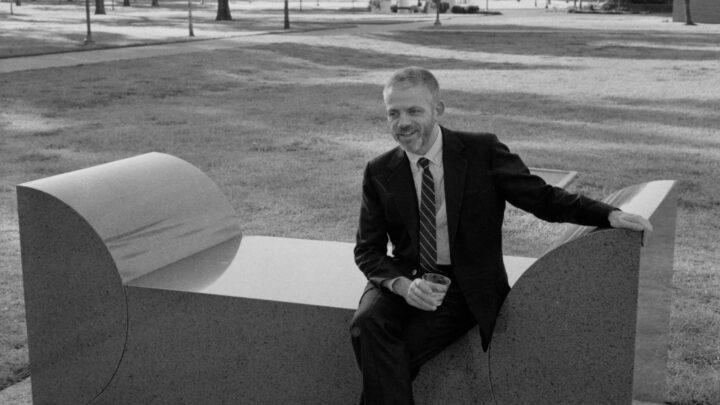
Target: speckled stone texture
[74,303]
[588,322]
[84,233]
[566,335]
[458,375]
[140,289]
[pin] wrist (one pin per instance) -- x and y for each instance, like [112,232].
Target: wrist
[400,286]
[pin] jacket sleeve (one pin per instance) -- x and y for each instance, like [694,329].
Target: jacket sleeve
[371,248]
[530,193]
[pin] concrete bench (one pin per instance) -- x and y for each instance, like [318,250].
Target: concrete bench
[586,323]
[140,288]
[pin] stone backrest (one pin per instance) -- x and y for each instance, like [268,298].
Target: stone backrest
[140,288]
[585,323]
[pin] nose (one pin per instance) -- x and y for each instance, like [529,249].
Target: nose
[403,119]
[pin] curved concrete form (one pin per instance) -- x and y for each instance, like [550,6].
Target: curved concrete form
[85,234]
[150,210]
[74,301]
[140,289]
[588,322]
[566,333]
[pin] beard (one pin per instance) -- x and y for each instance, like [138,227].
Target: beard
[413,138]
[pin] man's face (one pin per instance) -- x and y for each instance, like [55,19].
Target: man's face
[412,114]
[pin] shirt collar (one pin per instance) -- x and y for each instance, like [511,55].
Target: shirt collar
[434,155]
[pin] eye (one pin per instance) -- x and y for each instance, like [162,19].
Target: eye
[415,111]
[392,114]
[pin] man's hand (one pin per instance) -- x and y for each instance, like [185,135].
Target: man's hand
[417,293]
[619,219]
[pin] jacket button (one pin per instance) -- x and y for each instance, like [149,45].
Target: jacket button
[414,272]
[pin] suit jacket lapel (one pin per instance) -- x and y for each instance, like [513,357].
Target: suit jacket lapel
[455,170]
[402,189]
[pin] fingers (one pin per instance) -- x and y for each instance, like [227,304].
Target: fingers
[620,219]
[646,225]
[421,296]
[637,223]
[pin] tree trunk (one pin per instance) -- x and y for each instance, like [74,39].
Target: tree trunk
[223,13]
[126,3]
[287,16]
[155,3]
[190,27]
[17,3]
[688,15]
[100,7]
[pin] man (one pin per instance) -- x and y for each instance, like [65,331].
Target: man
[439,197]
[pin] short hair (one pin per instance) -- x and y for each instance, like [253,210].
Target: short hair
[414,76]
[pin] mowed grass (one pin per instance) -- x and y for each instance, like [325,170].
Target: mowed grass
[63,25]
[285,124]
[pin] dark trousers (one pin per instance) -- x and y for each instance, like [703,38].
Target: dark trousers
[392,340]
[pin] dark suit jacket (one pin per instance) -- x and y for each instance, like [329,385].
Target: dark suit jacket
[481,174]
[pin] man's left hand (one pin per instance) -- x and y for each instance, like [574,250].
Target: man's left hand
[626,220]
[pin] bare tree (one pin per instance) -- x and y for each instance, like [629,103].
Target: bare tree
[688,15]
[223,13]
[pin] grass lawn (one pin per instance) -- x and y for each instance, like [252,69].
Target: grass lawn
[285,123]
[63,25]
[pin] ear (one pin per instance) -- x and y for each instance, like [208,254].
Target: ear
[440,108]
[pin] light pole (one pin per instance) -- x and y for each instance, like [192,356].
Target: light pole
[437,14]
[88,38]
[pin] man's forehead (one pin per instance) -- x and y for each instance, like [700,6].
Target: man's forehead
[415,94]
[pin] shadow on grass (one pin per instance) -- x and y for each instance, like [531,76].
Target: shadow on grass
[675,117]
[367,59]
[511,39]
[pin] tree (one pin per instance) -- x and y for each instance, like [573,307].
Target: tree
[88,39]
[190,27]
[688,15]
[100,7]
[287,15]
[126,3]
[155,3]
[223,13]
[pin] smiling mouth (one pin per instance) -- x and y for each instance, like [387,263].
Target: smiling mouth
[405,134]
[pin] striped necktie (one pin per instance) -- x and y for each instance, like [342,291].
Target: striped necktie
[428,243]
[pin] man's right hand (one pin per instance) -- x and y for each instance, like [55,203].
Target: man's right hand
[417,293]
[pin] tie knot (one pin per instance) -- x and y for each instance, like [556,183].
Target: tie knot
[423,162]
